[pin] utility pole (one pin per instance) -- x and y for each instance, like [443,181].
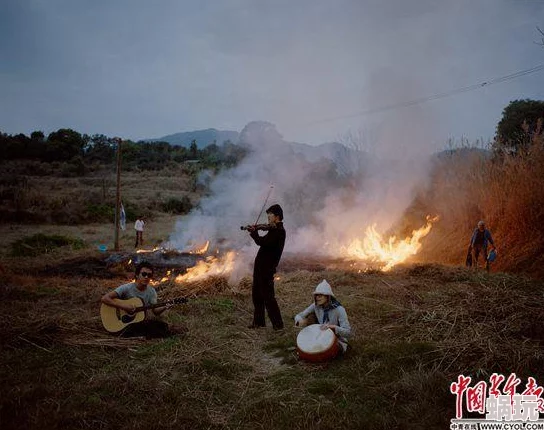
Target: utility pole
[118,195]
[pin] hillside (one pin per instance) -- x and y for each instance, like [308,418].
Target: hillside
[348,160]
[203,138]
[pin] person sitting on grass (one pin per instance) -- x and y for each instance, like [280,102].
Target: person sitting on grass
[328,312]
[150,328]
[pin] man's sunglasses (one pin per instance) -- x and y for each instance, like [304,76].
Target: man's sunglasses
[146,274]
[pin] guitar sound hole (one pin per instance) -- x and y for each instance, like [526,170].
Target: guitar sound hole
[127,318]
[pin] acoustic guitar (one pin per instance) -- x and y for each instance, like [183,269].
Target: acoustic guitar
[114,319]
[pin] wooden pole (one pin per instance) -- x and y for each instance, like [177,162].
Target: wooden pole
[118,196]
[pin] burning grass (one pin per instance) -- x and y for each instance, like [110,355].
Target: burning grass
[416,328]
[506,191]
[391,252]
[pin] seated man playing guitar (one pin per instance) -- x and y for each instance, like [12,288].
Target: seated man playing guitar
[128,326]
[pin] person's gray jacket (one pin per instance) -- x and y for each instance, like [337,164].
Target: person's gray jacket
[336,316]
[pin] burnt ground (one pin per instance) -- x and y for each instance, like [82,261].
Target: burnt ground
[110,266]
[121,264]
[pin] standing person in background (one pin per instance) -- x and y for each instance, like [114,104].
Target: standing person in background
[267,259]
[139,227]
[481,237]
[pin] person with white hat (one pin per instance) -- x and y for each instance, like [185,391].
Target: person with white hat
[327,311]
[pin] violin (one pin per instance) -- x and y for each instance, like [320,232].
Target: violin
[257,227]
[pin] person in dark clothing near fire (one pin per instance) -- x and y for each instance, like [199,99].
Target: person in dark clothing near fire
[479,241]
[267,259]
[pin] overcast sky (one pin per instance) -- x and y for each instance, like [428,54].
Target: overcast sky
[142,69]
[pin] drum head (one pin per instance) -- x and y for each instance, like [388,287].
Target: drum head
[315,344]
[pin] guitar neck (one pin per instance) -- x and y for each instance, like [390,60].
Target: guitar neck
[156,305]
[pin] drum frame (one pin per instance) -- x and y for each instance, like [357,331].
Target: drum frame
[326,355]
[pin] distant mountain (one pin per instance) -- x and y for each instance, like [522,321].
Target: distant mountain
[258,134]
[203,137]
[331,150]
[262,135]
[347,160]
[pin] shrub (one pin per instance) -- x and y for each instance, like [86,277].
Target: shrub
[131,211]
[177,206]
[101,212]
[74,168]
[38,244]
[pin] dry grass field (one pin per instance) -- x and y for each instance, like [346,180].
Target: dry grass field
[416,329]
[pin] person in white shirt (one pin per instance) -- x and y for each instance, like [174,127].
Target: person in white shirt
[139,227]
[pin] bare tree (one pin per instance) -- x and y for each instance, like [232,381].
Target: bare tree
[357,148]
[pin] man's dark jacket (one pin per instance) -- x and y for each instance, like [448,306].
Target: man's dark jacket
[271,248]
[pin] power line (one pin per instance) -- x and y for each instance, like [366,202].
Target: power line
[436,96]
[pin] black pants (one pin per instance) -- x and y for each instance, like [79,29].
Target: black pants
[139,238]
[263,297]
[148,328]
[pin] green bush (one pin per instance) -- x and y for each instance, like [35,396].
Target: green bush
[74,168]
[101,212]
[38,244]
[177,206]
[131,211]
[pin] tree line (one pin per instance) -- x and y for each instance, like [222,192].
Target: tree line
[521,121]
[67,145]
[521,124]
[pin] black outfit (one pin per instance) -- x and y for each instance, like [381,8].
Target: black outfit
[266,261]
[148,328]
[139,238]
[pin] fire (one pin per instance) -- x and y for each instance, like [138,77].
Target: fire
[146,251]
[211,266]
[374,248]
[165,278]
[203,249]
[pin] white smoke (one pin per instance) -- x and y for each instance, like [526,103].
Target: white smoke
[323,208]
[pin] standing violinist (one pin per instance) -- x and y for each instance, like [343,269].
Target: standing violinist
[266,261]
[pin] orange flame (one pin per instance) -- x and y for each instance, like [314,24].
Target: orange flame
[391,252]
[202,249]
[145,251]
[164,279]
[211,266]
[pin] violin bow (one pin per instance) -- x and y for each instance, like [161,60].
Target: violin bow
[264,204]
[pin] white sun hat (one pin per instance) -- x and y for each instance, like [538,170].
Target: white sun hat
[323,288]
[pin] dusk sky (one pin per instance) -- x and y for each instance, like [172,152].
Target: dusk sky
[144,69]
